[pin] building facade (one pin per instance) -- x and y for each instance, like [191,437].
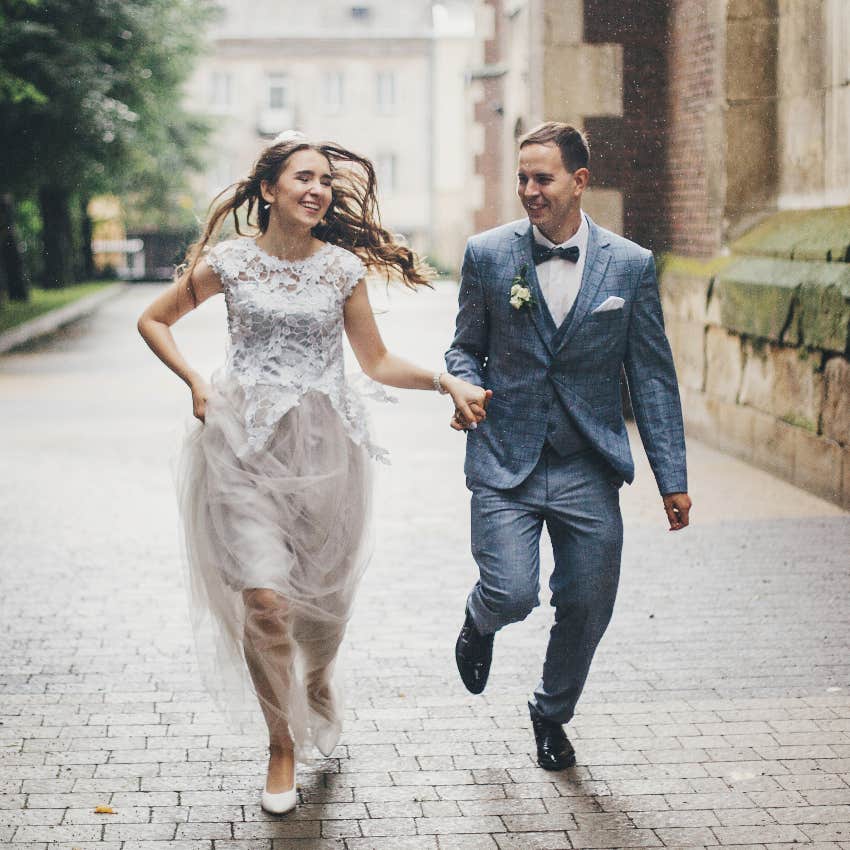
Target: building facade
[382,78]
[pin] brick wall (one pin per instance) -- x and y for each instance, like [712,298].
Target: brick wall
[694,146]
[488,114]
[628,152]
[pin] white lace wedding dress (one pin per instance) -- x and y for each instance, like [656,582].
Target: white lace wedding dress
[274,492]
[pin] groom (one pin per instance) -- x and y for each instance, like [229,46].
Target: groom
[550,309]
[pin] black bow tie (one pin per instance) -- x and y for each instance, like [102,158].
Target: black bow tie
[541,253]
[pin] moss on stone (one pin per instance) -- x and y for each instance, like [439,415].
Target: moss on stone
[822,234]
[824,320]
[784,301]
[675,264]
[757,295]
[800,422]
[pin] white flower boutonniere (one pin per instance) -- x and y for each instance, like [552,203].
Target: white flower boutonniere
[520,290]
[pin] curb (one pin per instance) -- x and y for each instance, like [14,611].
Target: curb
[50,322]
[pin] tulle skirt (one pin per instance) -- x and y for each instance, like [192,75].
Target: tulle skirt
[276,542]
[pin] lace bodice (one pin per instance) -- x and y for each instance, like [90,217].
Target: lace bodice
[285,320]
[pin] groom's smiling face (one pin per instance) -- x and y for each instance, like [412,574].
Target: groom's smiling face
[550,194]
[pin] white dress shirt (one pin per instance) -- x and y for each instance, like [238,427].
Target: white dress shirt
[560,280]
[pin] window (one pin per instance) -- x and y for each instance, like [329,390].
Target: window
[332,91]
[385,170]
[278,87]
[221,90]
[386,92]
[361,13]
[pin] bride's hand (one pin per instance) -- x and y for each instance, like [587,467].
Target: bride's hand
[470,400]
[200,393]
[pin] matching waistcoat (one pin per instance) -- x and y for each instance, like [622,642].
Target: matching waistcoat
[562,435]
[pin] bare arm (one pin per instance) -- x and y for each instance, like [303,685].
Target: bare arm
[387,368]
[155,327]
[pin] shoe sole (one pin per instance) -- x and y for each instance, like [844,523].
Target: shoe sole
[570,762]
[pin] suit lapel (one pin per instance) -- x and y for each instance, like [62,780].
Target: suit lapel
[542,318]
[598,257]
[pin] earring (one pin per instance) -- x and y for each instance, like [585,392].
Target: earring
[267,206]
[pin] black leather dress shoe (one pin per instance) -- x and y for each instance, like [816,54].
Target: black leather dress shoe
[554,750]
[473,654]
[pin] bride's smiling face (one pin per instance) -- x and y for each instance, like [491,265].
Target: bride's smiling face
[302,193]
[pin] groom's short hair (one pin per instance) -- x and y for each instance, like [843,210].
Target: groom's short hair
[575,150]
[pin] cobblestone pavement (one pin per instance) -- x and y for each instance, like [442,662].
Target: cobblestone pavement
[717,711]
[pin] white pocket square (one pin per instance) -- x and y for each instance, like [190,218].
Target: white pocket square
[612,302]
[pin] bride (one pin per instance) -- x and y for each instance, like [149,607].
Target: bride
[274,486]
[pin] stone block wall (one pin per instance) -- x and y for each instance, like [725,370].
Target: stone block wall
[761,340]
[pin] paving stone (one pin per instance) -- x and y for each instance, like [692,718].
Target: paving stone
[207,831]
[708,715]
[341,829]
[762,833]
[676,819]
[532,806]
[418,842]
[614,838]
[745,817]
[124,814]
[534,841]
[170,814]
[812,814]
[139,831]
[466,842]
[196,844]
[283,828]
[396,794]
[833,796]
[442,826]
[54,834]
[394,810]
[686,836]
[388,826]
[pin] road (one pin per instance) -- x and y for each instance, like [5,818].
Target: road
[717,711]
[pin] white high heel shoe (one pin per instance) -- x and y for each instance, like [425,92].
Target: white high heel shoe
[280,804]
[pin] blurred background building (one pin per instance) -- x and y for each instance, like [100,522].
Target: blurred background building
[382,77]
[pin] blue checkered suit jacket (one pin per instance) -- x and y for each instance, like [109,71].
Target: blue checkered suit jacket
[531,365]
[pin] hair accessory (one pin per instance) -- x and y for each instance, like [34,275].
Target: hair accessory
[289,136]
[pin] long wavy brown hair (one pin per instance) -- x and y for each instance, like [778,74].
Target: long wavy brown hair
[352,220]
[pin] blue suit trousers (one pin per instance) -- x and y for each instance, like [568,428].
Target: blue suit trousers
[578,498]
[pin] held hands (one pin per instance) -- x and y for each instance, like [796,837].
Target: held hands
[677,507]
[470,402]
[200,393]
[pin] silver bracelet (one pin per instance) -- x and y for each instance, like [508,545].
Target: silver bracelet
[437,385]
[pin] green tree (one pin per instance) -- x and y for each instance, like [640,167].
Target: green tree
[90,101]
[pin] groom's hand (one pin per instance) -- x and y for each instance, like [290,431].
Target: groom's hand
[460,423]
[677,506]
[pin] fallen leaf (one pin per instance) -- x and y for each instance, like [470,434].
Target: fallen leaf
[104,810]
